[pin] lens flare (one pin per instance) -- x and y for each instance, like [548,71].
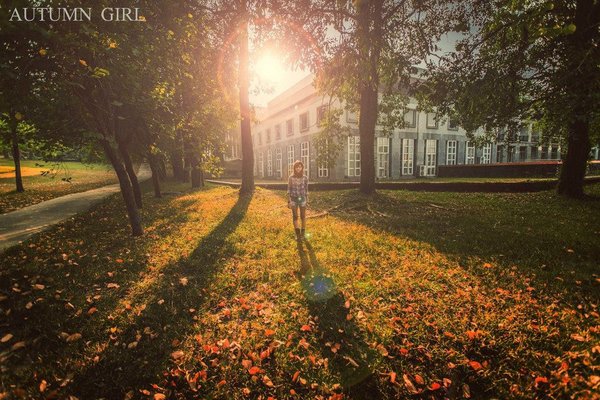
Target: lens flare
[319,288]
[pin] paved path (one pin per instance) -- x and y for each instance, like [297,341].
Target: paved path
[19,225]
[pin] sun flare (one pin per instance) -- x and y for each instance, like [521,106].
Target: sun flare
[269,68]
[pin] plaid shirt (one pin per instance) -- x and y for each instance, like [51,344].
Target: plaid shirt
[298,188]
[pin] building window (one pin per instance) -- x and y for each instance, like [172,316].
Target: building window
[304,122]
[261,165]
[323,170]
[383,157]
[269,162]
[524,133]
[452,124]
[451,152]
[255,164]
[277,131]
[510,154]
[430,157]
[554,152]
[304,157]
[321,111]
[500,153]
[268,136]
[410,118]
[470,153]
[523,153]
[260,138]
[486,156]
[534,153]
[544,152]
[432,122]
[290,159]
[278,163]
[353,155]
[351,117]
[408,156]
[290,127]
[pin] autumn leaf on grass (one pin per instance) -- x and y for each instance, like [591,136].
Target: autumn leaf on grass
[18,345]
[73,338]
[578,337]
[382,350]
[176,355]
[247,364]
[6,338]
[269,332]
[475,365]
[267,381]
[253,370]
[393,377]
[183,281]
[472,335]
[540,379]
[435,386]
[306,328]
[296,375]
[112,285]
[409,385]
[419,379]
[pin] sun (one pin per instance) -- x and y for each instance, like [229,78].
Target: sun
[269,68]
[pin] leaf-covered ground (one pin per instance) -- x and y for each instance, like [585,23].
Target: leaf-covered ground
[45,181]
[396,295]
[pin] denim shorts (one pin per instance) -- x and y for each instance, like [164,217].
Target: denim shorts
[297,202]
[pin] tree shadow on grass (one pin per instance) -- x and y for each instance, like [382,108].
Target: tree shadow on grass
[166,318]
[477,228]
[340,338]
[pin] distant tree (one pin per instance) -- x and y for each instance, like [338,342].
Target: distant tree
[22,64]
[528,60]
[363,48]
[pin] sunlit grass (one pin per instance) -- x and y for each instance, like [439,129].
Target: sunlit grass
[61,179]
[397,294]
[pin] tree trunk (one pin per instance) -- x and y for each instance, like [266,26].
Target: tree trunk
[137,191]
[246,134]
[162,168]
[187,168]
[154,167]
[366,127]
[16,154]
[177,164]
[580,94]
[572,173]
[126,190]
[369,41]
[177,158]
[197,178]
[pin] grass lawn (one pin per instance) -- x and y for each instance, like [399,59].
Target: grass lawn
[419,180]
[40,187]
[397,295]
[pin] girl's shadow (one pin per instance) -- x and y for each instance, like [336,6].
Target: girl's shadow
[341,340]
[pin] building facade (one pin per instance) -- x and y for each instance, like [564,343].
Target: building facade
[286,131]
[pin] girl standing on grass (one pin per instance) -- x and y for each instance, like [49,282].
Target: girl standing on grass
[298,197]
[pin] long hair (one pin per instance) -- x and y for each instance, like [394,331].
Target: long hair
[301,174]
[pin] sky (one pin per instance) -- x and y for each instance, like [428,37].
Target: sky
[270,70]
